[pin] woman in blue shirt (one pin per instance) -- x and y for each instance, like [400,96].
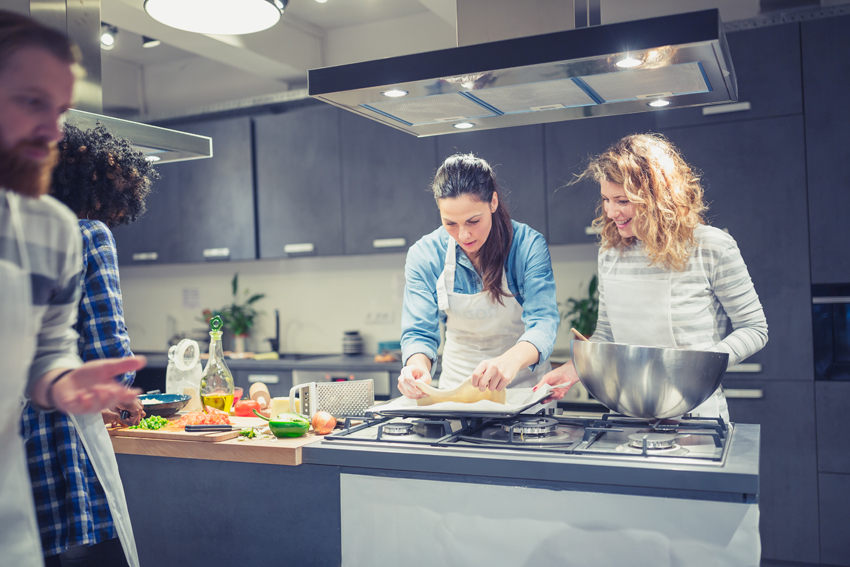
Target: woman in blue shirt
[488,279]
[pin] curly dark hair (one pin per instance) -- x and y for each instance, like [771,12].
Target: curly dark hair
[101,177]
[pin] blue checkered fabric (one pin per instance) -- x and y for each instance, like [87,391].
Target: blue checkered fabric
[71,505]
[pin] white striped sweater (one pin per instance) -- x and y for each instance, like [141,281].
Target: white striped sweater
[714,288]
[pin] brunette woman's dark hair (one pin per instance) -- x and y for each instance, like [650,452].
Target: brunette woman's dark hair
[101,177]
[465,174]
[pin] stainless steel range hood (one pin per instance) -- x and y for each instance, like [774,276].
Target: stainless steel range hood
[684,60]
[80,20]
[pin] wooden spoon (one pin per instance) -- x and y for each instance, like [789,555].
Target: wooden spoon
[578,335]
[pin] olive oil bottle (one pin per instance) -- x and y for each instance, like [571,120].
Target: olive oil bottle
[217,380]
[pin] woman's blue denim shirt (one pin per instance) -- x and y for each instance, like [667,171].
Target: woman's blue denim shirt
[528,270]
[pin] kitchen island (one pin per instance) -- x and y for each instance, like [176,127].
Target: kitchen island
[360,503]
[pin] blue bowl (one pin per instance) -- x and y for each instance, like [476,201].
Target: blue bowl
[166,404]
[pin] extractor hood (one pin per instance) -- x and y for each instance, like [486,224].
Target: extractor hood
[80,20]
[681,60]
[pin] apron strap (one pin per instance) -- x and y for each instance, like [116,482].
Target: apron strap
[446,281]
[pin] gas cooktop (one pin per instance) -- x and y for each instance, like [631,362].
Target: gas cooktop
[695,440]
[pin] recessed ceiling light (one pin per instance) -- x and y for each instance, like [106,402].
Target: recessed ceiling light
[463,125]
[107,36]
[628,62]
[148,42]
[659,103]
[394,93]
[321,1]
[222,17]
[153,158]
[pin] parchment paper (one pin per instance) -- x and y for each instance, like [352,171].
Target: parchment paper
[518,400]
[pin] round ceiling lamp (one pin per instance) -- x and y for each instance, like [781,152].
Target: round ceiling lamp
[221,17]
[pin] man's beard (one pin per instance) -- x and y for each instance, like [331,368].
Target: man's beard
[24,175]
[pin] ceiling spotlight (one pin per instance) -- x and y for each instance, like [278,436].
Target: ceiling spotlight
[217,17]
[659,103]
[148,42]
[394,93]
[321,1]
[153,158]
[107,36]
[463,125]
[628,62]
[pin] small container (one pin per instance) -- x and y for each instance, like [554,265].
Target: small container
[352,343]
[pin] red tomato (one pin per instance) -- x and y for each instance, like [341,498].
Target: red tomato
[245,408]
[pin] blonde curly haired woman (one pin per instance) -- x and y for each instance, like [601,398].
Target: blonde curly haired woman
[667,279]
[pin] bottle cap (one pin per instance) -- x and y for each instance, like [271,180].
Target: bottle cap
[215,325]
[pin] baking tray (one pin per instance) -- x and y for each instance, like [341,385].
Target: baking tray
[519,400]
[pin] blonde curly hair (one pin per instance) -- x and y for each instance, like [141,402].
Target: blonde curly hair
[665,191]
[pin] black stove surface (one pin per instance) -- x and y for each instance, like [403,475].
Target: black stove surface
[702,440]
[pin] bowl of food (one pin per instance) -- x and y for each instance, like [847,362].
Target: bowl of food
[648,382]
[163,405]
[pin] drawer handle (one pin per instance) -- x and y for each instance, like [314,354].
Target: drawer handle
[298,248]
[744,394]
[389,242]
[265,378]
[752,367]
[592,230]
[726,108]
[145,256]
[216,253]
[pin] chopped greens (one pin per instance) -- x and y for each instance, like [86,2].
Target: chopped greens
[153,423]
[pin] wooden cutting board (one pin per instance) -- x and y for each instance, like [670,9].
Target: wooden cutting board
[180,435]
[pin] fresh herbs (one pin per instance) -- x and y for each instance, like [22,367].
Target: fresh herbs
[152,423]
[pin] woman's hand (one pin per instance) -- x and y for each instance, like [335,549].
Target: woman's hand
[565,375]
[494,374]
[409,375]
[136,409]
[497,373]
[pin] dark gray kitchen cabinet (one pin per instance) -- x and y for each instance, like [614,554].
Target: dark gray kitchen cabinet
[199,210]
[788,499]
[833,401]
[571,208]
[299,184]
[826,82]
[834,492]
[754,177]
[767,68]
[516,155]
[386,178]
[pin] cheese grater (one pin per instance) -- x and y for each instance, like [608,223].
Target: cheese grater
[340,399]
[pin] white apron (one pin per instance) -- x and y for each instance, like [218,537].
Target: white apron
[478,329]
[640,313]
[20,543]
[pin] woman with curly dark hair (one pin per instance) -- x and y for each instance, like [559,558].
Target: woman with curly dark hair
[80,504]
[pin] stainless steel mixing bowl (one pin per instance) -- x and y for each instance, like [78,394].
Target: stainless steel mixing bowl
[647,382]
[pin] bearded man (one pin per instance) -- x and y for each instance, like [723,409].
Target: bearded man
[40,271]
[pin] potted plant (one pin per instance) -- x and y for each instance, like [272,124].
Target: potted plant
[237,317]
[582,313]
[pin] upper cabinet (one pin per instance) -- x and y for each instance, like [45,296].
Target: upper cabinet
[299,196]
[386,178]
[201,210]
[826,80]
[571,208]
[767,67]
[516,155]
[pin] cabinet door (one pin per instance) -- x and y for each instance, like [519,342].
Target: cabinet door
[299,187]
[833,400]
[386,179]
[767,67]
[571,208]
[787,466]
[201,210]
[754,180]
[516,155]
[834,518]
[826,80]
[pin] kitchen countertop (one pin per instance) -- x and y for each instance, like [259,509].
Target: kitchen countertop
[330,362]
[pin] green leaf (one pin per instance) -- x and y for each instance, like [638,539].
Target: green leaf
[235,284]
[255,297]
